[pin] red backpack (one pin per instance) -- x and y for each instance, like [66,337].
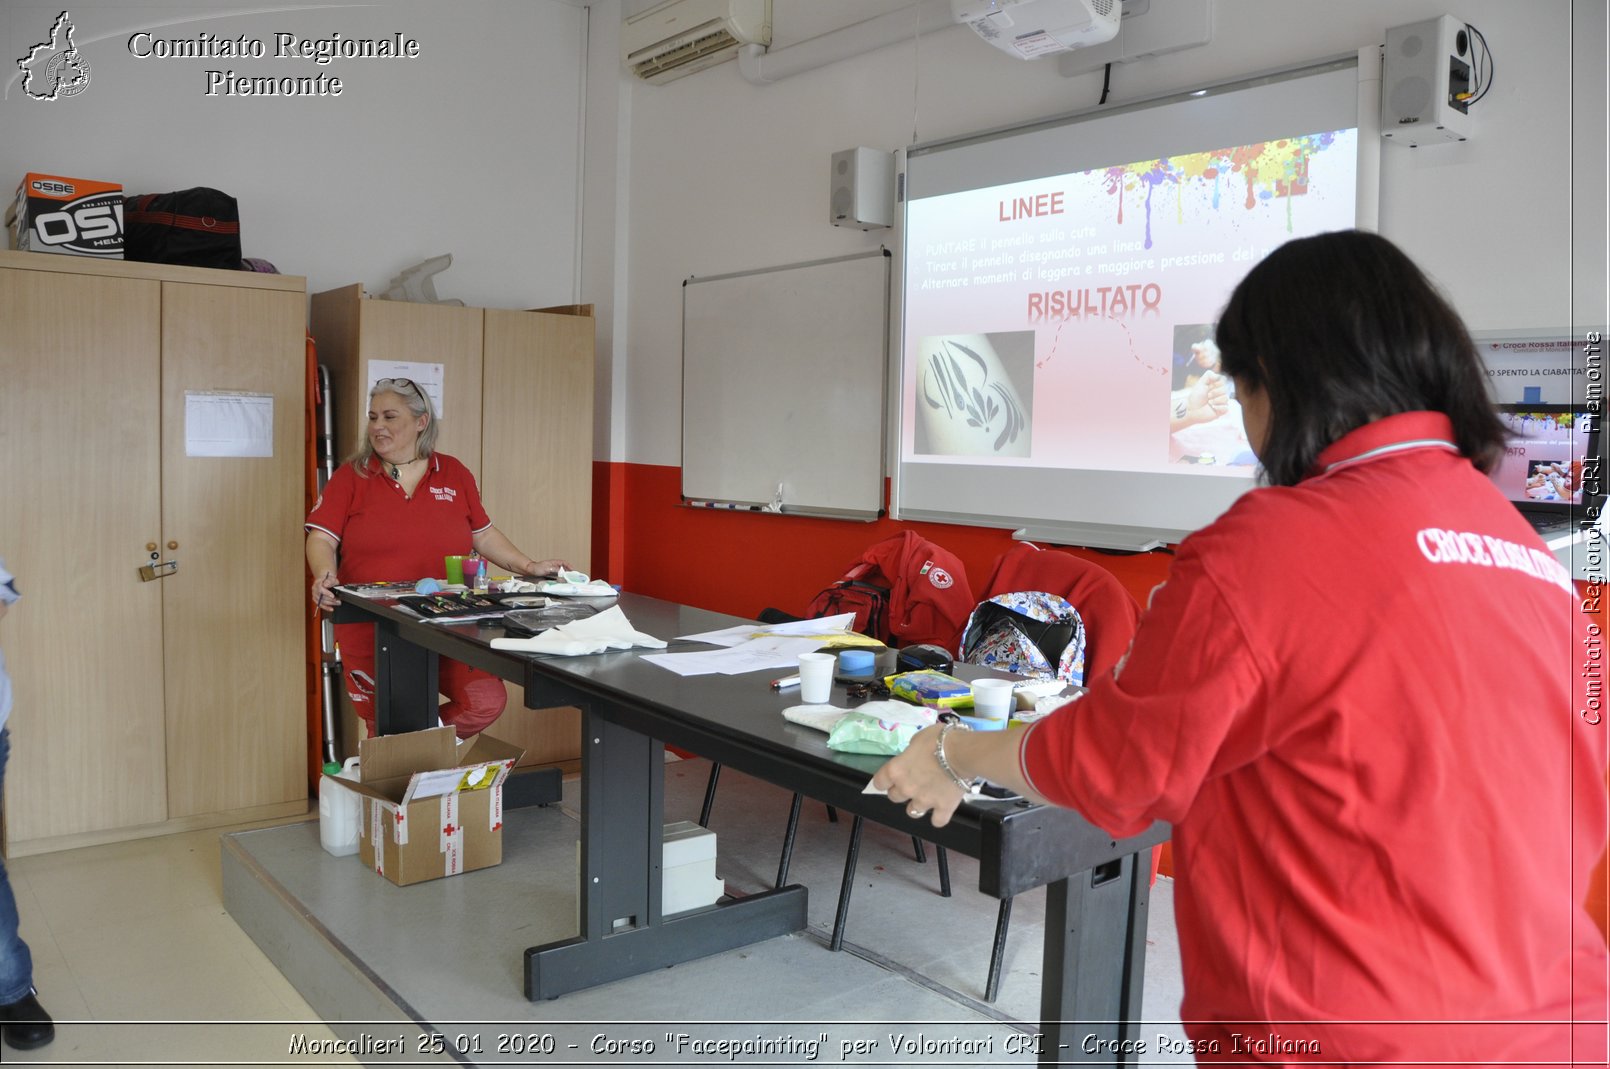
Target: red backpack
[903,590]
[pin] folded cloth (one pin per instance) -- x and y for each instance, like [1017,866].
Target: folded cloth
[824,717]
[607,630]
[820,717]
[596,588]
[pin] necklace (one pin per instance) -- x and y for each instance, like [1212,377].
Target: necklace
[394,469]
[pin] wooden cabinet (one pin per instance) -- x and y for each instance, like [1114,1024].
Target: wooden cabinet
[517,395]
[147,707]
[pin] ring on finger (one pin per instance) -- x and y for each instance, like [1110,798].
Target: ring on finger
[914,813]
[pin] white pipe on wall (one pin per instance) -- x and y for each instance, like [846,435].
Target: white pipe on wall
[761,66]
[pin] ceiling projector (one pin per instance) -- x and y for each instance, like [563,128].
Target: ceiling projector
[1029,28]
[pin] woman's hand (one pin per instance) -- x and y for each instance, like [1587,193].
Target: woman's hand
[915,778]
[324,585]
[552,566]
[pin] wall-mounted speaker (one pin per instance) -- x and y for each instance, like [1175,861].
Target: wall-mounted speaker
[861,190]
[1425,82]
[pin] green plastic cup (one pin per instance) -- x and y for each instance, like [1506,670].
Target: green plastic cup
[455,569]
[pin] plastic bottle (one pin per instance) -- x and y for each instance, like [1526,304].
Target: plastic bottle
[482,583]
[339,809]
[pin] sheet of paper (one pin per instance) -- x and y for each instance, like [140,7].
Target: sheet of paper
[728,636]
[740,633]
[228,424]
[697,663]
[820,626]
[427,376]
[431,784]
[766,653]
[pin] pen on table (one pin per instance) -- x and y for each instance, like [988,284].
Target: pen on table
[785,682]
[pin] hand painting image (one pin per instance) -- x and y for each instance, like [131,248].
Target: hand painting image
[1204,417]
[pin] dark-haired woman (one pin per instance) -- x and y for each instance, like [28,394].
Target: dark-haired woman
[1352,699]
[392,514]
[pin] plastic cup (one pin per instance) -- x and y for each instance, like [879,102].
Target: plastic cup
[455,570]
[992,699]
[816,677]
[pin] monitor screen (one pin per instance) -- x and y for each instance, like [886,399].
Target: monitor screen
[1547,457]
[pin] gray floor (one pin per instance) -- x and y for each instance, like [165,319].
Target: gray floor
[381,962]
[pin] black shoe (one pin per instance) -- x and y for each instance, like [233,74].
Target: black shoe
[25,1024]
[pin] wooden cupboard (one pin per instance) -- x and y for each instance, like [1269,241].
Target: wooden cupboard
[144,707]
[517,394]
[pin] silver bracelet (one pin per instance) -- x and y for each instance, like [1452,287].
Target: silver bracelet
[939,755]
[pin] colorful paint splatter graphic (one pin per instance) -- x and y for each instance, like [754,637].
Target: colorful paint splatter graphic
[1265,170]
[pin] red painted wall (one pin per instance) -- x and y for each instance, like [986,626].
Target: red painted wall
[742,562]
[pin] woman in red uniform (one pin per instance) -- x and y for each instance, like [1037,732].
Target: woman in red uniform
[392,514]
[1353,701]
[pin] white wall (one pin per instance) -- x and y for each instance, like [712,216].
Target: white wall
[722,175]
[471,149]
[478,147]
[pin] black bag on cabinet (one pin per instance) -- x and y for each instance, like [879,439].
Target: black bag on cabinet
[199,227]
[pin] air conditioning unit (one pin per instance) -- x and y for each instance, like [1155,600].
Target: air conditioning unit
[1029,28]
[679,37]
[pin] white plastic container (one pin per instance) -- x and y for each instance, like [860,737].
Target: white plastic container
[688,877]
[338,812]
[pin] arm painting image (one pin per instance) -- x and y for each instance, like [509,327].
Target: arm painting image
[976,395]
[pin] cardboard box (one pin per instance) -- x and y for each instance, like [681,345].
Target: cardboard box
[77,216]
[432,805]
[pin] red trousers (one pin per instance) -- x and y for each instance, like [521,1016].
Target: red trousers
[474,698]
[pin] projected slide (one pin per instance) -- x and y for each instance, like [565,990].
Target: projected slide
[1067,322]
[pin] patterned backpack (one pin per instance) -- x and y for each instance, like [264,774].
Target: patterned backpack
[1032,633]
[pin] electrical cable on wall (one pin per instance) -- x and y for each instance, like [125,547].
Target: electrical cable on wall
[1484,78]
[1106,84]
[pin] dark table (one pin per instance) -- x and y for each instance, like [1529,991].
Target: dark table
[1096,886]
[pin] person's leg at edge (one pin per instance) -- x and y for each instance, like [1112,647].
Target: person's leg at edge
[24,1024]
[474,698]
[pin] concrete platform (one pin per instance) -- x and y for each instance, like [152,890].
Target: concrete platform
[431,973]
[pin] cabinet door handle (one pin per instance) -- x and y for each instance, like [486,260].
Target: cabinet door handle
[150,547]
[173,545]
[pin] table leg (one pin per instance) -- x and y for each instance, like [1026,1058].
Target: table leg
[1095,959]
[405,682]
[406,689]
[622,931]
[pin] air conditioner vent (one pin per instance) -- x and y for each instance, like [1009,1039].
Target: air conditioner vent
[682,36]
[711,43]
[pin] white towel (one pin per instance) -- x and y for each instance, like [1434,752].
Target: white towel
[820,717]
[597,588]
[607,630]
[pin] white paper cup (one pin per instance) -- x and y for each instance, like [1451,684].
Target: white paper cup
[816,677]
[992,698]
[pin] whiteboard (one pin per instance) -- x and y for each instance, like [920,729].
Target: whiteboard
[784,372]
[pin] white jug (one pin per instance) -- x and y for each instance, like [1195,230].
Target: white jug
[338,812]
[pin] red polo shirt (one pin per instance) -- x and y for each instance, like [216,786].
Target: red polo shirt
[1353,701]
[385,535]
